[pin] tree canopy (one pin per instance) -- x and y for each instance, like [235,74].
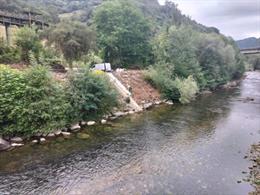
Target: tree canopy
[123,33]
[73,39]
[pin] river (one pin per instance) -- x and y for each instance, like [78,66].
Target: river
[193,149]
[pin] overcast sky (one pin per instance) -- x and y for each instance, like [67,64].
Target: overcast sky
[237,18]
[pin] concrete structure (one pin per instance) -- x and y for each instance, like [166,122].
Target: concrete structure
[9,21]
[124,92]
[250,51]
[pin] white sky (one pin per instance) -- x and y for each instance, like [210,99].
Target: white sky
[237,18]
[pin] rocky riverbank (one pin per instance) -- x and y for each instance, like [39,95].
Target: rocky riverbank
[255,168]
[9,143]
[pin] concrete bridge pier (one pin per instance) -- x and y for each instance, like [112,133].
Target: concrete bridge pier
[8,34]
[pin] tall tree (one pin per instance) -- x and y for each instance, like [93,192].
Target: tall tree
[73,39]
[123,33]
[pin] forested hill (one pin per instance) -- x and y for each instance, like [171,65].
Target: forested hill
[81,10]
[251,42]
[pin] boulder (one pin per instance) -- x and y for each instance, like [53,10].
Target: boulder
[16,145]
[57,133]
[75,127]
[42,139]
[206,92]
[17,139]
[35,141]
[91,123]
[103,121]
[4,145]
[169,102]
[83,123]
[131,112]
[147,105]
[119,114]
[66,133]
[83,136]
[113,118]
[51,135]
[157,102]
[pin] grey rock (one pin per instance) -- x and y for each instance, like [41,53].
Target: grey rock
[51,135]
[206,92]
[131,112]
[17,139]
[83,123]
[4,145]
[66,133]
[148,105]
[16,145]
[57,133]
[91,123]
[103,121]
[75,127]
[42,139]
[83,136]
[119,114]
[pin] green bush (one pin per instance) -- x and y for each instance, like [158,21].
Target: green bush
[90,95]
[12,88]
[31,102]
[188,89]
[254,61]
[161,78]
[27,40]
[171,88]
[8,54]
[210,58]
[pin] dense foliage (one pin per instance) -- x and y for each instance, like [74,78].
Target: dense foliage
[90,94]
[27,40]
[254,61]
[8,54]
[73,39]
[123,33]
[182,52]
[33,102]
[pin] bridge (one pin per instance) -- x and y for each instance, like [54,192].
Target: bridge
[25,19]
[250,51]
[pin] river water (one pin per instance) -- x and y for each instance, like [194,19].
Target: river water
[193,149]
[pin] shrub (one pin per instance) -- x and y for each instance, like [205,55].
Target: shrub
[188,88]
[175,89]
[12,88]
[28,40]
[90,95]
[31,102]
[162,79]
[8,54]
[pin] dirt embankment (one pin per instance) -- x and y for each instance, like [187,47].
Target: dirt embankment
[142,92]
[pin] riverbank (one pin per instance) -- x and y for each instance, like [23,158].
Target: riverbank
[149,98]
[255,168]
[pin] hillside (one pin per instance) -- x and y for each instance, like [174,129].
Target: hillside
[81,10]
[251,42]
